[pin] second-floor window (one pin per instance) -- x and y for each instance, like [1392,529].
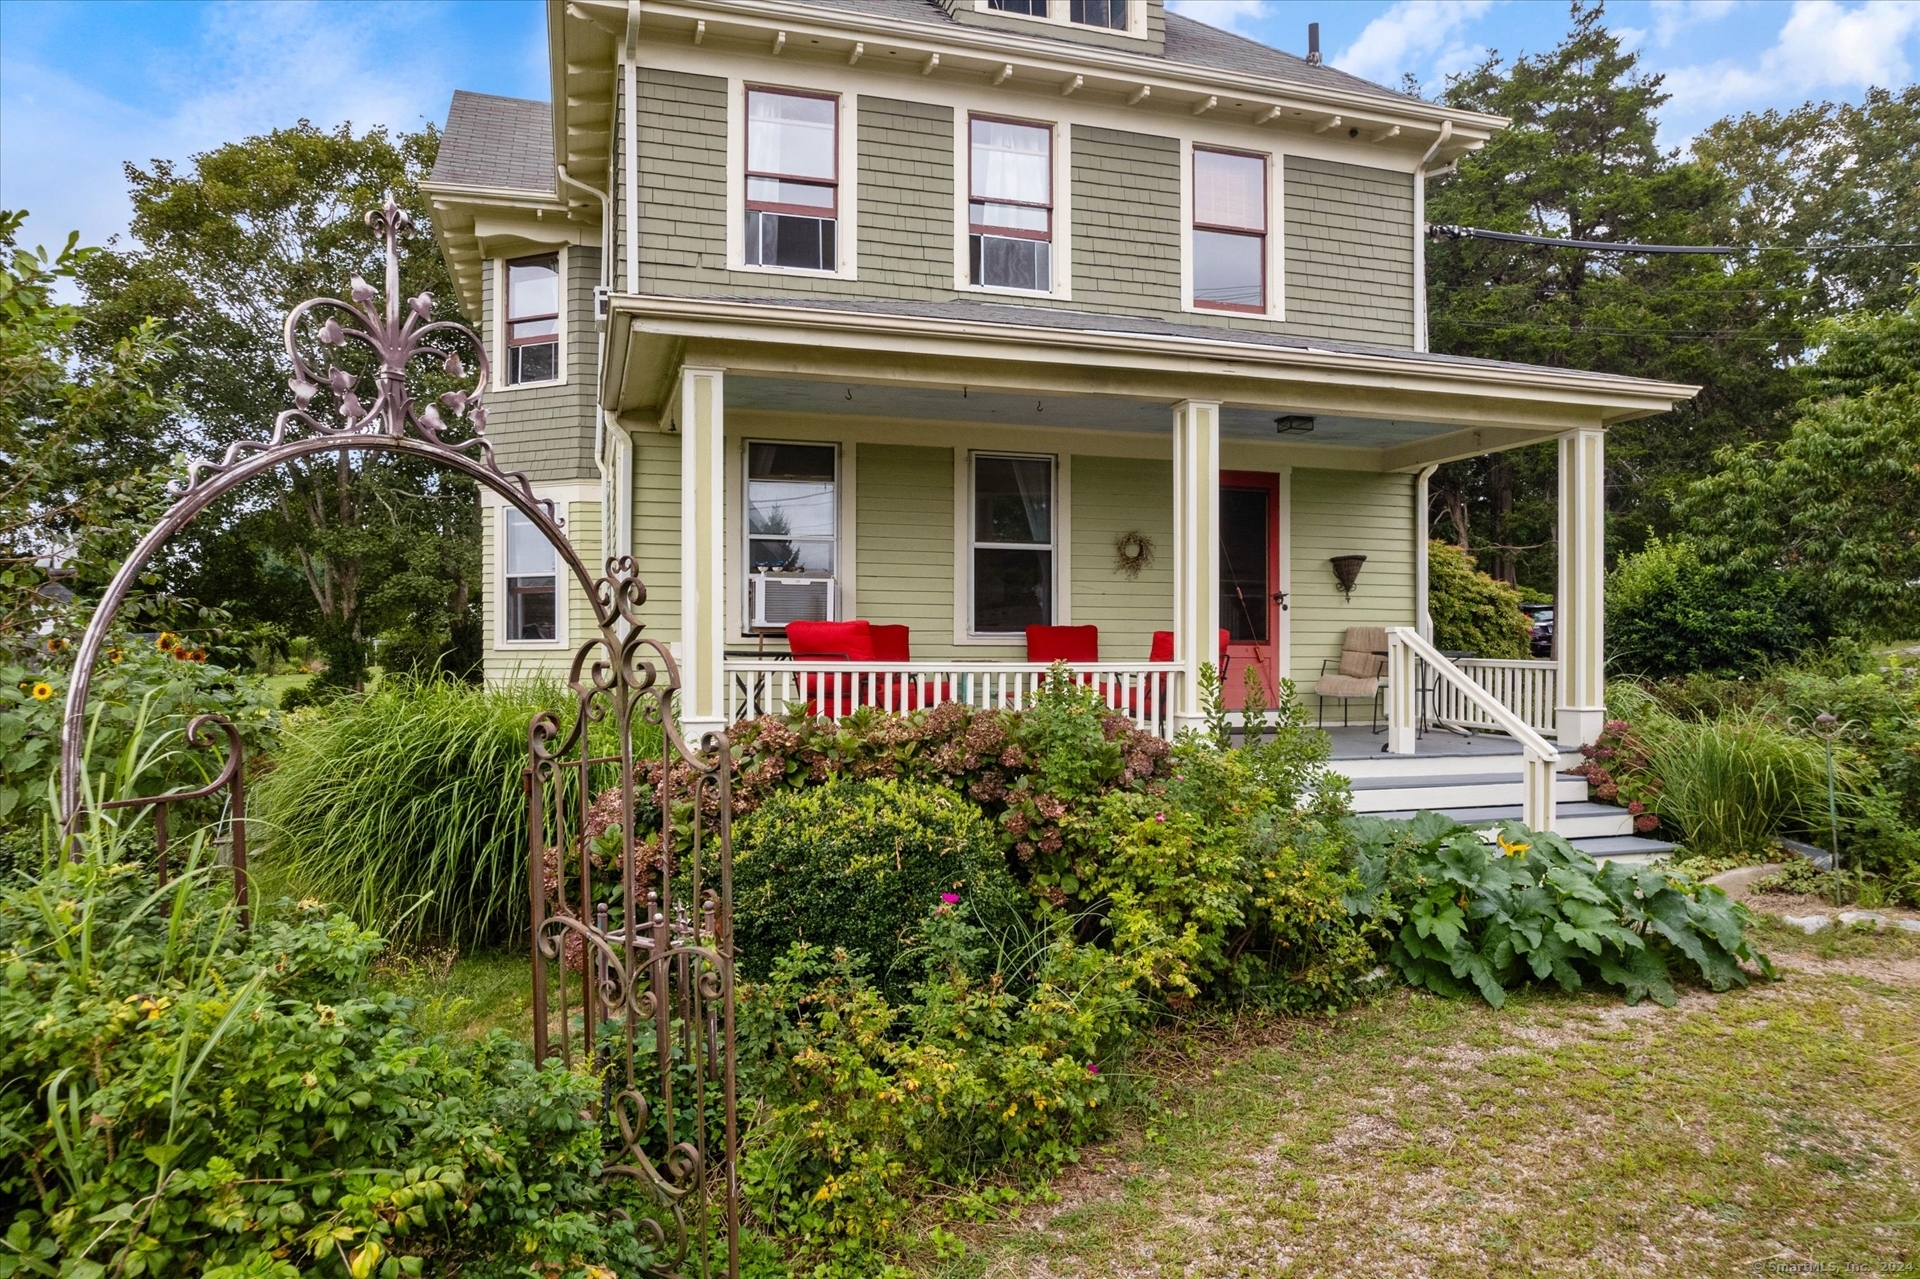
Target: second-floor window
[1010,205]
[1031,8]
[1229,230]
[793,172]
[533,319]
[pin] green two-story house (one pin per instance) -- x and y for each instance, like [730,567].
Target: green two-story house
[965,317]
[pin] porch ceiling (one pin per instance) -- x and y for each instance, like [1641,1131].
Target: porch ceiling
[1089,413]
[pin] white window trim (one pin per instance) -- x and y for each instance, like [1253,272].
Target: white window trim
[1057,11]
[498,347]
[963,632]
[1062,289]
[846,231]
[1276,232]
[841,462]
[563,584]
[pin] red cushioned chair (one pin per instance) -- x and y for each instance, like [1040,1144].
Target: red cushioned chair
[834,642]
[891,643]
[1162,649]
[1063,643]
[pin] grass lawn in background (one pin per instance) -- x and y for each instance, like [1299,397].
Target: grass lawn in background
[1562,1135]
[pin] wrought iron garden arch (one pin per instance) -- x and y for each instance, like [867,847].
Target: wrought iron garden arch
[651,951]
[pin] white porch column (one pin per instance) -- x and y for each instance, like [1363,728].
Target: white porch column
[703,616]
[1580,607]
[1196,551]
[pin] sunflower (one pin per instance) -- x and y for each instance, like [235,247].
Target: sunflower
[56,645]
[115,655]
[42,691]
[166,641]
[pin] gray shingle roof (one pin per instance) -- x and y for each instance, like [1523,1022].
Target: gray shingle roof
[1189,43]
[490,141]
[975,311]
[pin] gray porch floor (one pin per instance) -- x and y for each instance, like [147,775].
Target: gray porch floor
[1359,742]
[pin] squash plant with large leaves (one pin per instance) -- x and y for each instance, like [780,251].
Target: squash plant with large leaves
[1496,908]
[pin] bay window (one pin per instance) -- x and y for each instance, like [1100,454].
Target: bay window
[1013,543]
[532,581]
[1229,230]
[792,177]
[533,319]
[1010,205]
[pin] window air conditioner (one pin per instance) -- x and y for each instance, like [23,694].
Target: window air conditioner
[779,598]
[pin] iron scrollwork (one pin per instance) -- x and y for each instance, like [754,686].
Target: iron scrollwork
[653,949]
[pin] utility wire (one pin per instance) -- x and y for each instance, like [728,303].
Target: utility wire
[1446,231]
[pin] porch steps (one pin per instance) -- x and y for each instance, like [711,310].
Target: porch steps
[1474,785]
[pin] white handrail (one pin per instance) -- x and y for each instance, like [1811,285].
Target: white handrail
[1406,650]
[1145,692]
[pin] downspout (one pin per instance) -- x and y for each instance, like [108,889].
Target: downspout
[1422,616]
[1420,237]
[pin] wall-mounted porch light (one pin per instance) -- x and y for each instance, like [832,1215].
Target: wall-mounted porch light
[1292,422]
[1346,571]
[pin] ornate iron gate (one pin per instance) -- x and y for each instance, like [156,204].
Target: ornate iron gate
[654,960]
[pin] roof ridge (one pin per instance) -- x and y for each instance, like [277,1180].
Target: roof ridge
[502,97]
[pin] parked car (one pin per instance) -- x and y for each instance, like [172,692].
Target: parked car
[1541,615]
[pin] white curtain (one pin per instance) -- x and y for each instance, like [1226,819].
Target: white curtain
[1230,190]
[790,135]
[1012,162]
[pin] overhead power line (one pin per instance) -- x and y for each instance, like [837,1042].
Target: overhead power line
[1445,231]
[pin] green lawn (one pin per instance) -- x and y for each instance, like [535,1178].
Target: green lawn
[1559,1136]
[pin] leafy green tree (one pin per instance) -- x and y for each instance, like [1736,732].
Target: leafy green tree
[347,545]
[1580,161]
[84,438]
[1670,613]
[1471,611]
[1837,503]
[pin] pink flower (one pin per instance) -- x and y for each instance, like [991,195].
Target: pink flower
[950,898]
[1093,1068]
[1159,817]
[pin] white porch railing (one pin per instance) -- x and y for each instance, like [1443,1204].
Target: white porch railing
[1145,692]
[1529,689]
[1407,653]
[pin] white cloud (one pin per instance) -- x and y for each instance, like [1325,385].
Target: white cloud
[1422,36]
[1823,46]
[1239,16]
[1671,17]
[246,68]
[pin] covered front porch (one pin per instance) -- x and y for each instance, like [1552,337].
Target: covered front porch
[1181,489]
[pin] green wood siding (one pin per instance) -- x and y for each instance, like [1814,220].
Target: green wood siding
[1126,221]
[1349,252]
[547,431]
[1347,513]
[903,541]
[508,662]
[656,529]
[1113,496]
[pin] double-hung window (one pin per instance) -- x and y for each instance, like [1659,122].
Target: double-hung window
[533,319]
[1013,543]
[1229,230]
[532,581]
[1010,209]
[793,180]
[792,519]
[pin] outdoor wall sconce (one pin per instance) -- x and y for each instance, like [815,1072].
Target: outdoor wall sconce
[1346,571]
[1292,422]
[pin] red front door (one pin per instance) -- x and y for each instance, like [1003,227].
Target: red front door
[1250,580]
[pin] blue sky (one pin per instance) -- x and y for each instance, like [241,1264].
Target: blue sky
[85,87]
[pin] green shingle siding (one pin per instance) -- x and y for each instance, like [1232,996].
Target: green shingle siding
[547,431]
[1349,251]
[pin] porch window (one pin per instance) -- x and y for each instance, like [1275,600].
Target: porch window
[1013,543]
[1010,205]
[793,189]
[533,319]
[1229,230]
[1111,14]
[532,579]
[792,520]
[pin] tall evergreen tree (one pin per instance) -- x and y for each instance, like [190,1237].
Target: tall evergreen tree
[1580,161]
